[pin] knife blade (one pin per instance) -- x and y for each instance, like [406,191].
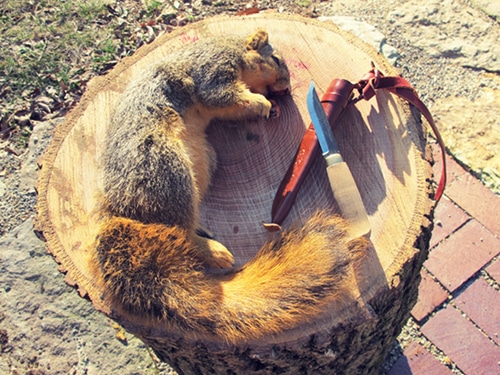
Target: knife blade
[342,183]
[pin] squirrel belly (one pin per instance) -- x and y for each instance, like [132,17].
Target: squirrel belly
[289,281]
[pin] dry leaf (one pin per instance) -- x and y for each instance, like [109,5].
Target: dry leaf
[248,11]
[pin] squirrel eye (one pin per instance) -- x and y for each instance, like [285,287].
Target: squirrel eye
[276,60]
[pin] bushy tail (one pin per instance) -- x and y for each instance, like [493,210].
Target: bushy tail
[152,271]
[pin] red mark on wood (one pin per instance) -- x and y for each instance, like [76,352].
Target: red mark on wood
[188,39]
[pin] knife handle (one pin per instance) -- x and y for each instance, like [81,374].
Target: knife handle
[334,101]
[348,199]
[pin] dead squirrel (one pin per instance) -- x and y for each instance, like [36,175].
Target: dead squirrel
[157,167]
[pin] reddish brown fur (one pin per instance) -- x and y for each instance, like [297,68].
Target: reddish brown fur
[154,271]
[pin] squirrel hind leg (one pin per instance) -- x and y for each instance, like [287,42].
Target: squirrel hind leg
[211,252]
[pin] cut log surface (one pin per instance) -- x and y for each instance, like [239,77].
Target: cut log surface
[382,142]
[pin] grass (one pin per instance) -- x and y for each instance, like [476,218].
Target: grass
[51,48]
[153,7]
[44,41]
[303,3]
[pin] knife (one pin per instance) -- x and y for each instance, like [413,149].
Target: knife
[342,183]
[335,99]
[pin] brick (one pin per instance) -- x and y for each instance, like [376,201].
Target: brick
[481,303]
[464,253]
[477,200]
[447,218]
[453,169]
[430,295]
[462,342]
[418,361]
[494,270]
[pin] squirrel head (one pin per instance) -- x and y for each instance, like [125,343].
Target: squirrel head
[259,41]
[265,71]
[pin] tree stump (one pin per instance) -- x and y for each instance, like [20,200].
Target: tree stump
[381,140]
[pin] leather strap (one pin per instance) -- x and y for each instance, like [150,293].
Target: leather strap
[336,98]
[375,80]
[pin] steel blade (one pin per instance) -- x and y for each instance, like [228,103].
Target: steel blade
[321,124]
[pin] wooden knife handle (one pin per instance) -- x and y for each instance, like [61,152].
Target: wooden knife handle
[348,199]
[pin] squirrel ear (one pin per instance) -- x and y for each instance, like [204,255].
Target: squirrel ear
[258,41]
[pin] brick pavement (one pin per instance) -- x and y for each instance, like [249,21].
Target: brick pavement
[458,308]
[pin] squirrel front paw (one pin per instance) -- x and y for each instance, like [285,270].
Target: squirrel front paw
[257,105]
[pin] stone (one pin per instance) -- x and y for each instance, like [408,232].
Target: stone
[367,33]
[48,326]
[445,29]
[491,8]
[39,140]
[472,134]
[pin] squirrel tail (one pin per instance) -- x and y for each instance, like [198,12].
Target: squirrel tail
[289,281]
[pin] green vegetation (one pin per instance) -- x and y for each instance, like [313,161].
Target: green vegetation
[48,42]
[153,7]
[303,3]
[51,48]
